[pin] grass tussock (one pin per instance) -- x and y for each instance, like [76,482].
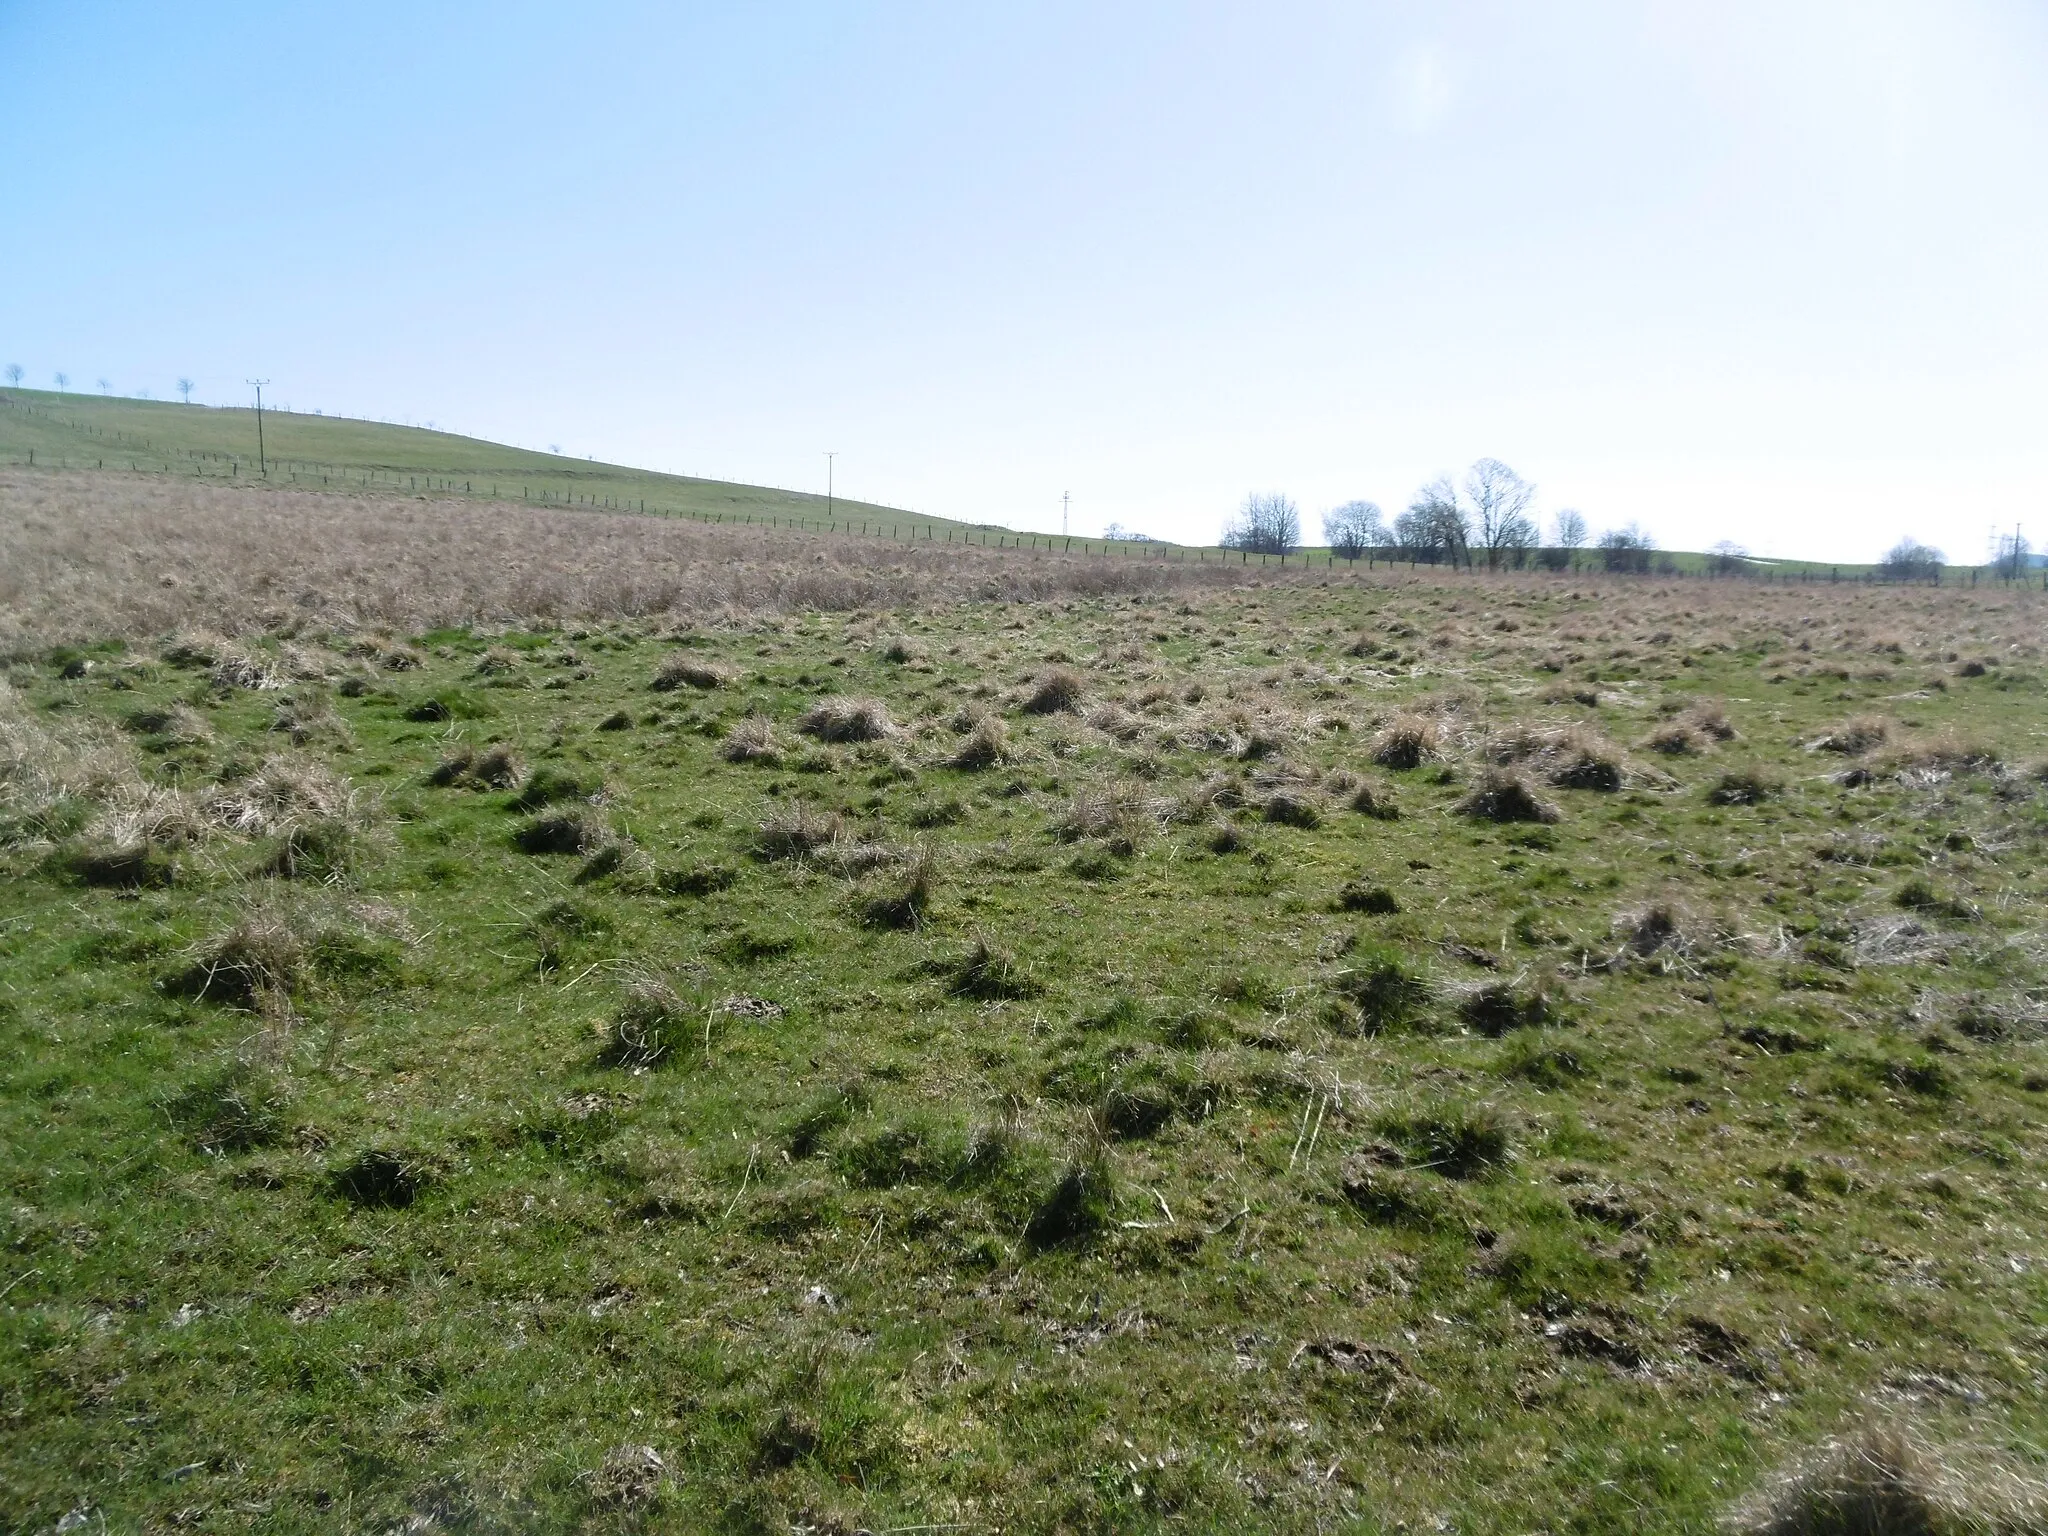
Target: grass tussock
[1503,796]
[682,670]
[985,745]
[467,766]
[1853,737]
[844,718]
[752,739]
[1885,1480]
[1407,741]
[908,904]
[797,831]
[654,1025]
[989,975]
[1054,691]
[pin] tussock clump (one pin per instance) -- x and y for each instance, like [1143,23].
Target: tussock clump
[682,670]
[1292,808]
[1573,758]
[987,746]
[494,767]
[797,831]
[263,957]
[1884,1481]
[1853,738]
[236,1109]
[382,1178]
[1647,930]
[234,667]
[752,739]
[1119,816]
[286,792]
[1406,741]
[175,725]
[308,716]
[1080,1204]
[1374,801]
[192,650]
[1386,991]
[550,786]
[629,1476]
[1709,718]
[654,1024]
[1215,792]
[1457,1141]
[898,650]
[1368,897]
[1114,721]
[988,974]
[1676,738]
[1496,1008]
[1394,1197]
[841,718]
[1502,796]
[1742,787]
[908,905]
[1055,690]
[579,831]
[1945,753]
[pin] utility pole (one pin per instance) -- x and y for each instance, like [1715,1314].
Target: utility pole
[828,484]
[262,463]
[1063,514]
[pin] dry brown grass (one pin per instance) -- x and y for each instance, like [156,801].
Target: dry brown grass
[87,556]
[840,718]
[1887,1481]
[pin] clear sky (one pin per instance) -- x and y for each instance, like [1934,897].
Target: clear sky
[1769,271]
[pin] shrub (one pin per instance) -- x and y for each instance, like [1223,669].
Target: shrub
[840,718]
[682,670]
[1502,796]
[1406,741]
[1054,690]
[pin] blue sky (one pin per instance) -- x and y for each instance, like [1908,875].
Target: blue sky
[1764,271]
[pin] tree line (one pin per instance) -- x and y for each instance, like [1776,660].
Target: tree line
[1489,520]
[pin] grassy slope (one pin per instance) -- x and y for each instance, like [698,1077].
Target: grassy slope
[90,431]
[1750,1176]
[87,431]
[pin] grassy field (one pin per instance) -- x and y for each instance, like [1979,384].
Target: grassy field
[1402,1054]
[47,430]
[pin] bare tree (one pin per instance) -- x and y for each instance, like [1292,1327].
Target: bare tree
[2010,555]
[14,373]
[1500,501]
[1728,558]
[1117,533]
[1435,528]
[63,380]
[1265,525]
[1910,560]
[1626,549]
[1355,527]
[1569,530]
[105,387]
[185,389]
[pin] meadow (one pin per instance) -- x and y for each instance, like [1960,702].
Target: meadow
[525,1020]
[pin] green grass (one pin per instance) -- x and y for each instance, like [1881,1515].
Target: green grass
[1128,1182]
